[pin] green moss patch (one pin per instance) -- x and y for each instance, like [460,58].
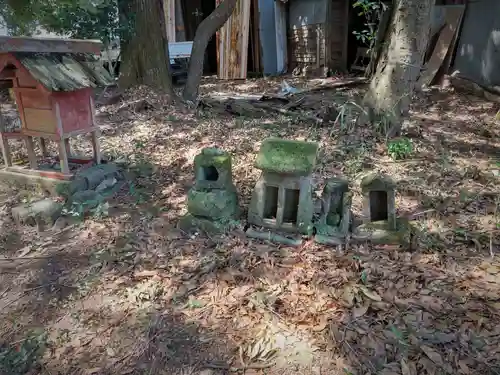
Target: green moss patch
[287,156]
[216,157]
[377,182]
[380,232]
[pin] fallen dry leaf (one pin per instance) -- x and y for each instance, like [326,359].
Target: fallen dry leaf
[321,326]
[370,294]
[435,357]
[464,369]
[408,367]
[348,295]
[359,311]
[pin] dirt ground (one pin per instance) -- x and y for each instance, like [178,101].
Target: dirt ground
[129,293]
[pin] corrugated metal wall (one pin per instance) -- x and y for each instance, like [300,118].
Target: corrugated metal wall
[267,30]
[273,36]
[478,51]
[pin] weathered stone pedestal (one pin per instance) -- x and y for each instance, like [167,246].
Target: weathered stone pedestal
[213,201]
[282,197]
[334,222]
[380,224]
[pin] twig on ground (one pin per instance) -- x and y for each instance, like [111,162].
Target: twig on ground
[356,355]
[492,252]
[25,258]
[229,368]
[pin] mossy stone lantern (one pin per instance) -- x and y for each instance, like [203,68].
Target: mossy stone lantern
[282,197]
[213,201]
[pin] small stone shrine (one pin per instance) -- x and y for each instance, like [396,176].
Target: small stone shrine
[282,197]
[282,207]
[212,201]
[334,222]
[379,211]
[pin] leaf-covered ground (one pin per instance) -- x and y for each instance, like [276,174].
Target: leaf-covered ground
[129,293]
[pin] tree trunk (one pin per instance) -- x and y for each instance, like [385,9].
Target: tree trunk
[144,45]
[389,95]
[203,34]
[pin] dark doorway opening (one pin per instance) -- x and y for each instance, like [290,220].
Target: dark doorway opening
[195,11]
[378,206]
[291,206]
[271,202]
[210,173]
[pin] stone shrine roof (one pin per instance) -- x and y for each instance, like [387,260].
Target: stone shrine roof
[287,156]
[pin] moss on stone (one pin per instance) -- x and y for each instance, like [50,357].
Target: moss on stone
[328,239]
[378,182]
[213,158]
[287,156]
[215,204]
[191,223]
[335,184]
[379,232]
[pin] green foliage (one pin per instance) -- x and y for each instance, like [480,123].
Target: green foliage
[400,148]
[372,10]
[20,358]
[89,19]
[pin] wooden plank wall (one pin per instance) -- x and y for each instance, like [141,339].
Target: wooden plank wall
[169,9]
[320,47]
[307,49]
[233,43]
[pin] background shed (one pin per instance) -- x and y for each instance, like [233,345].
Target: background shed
[318,34]
[477,56]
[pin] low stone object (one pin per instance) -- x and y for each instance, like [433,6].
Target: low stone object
[282,202]
[88,199]
[90,178]
[212,202]
[23,181]
[213,169]
[45,211]
[284,156]
[189,223]
[106,184]
[273,237]
[380,225]
[282,197]
[381,233]
[335,219]
[379,199]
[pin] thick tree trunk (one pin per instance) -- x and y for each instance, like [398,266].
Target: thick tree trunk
[391,89]
[144,45]
[203,34]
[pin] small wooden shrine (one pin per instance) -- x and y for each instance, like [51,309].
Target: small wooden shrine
[52,81]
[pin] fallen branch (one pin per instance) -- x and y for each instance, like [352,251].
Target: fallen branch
[287,112]
[229,368]
[273,237]
[338,85]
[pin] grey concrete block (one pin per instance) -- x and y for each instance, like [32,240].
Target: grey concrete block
[46,211]
[24,181]
[91,177]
